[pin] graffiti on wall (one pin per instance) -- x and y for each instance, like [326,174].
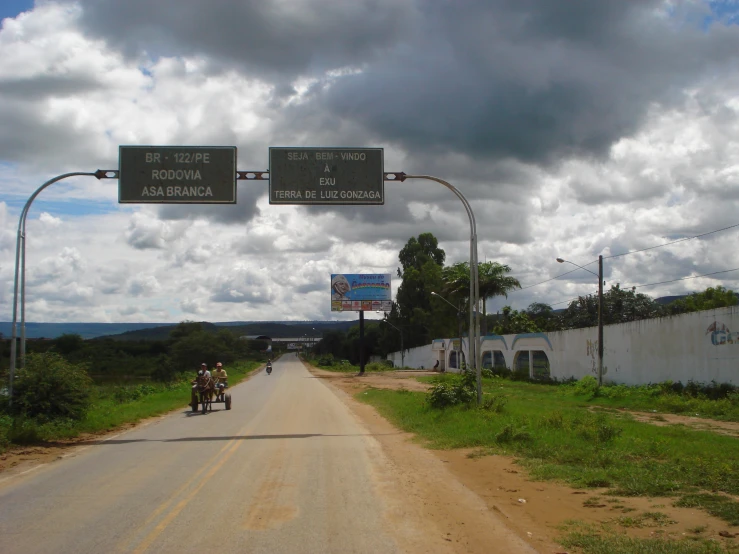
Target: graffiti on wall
[720,334]
[591,349]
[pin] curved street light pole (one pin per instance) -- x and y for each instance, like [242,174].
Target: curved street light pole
[20,269]
[600,311]
[475,356]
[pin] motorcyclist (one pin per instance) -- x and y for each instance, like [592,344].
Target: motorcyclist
[269,366]
[221,379]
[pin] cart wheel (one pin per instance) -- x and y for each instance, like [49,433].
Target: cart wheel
[228,401]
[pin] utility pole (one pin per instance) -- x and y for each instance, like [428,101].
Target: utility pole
[600,320]
[600,310]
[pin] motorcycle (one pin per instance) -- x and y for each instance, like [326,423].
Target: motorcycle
[269,368]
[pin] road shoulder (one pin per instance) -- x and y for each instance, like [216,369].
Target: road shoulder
[454,516]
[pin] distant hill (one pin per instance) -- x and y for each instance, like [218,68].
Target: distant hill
[275,329]
[85,330]
[668,299]
[160,331]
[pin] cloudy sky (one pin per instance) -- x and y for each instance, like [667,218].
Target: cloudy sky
[574,128]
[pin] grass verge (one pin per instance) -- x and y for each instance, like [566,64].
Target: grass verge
[112,407]
[557,438]
[591,540]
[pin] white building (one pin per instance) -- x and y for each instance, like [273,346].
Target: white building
[699,346]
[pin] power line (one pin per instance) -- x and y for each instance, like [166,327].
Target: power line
[552,279]
[671,242]
[683,278]
[635,252]
[660,283]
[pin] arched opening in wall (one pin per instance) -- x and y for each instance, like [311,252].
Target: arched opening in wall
[541,365]
[493,360]
[521,363]
[453,359]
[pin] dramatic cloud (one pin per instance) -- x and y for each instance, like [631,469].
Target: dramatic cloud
[574,129]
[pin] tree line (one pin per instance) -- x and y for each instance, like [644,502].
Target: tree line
[188,345]
[432,301]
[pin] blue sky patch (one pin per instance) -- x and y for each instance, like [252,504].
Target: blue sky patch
[11,8]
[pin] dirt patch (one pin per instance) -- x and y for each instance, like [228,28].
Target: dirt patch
[535,511]
[393,380]
[730,428]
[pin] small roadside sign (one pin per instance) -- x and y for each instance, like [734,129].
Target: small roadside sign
[177,174]
[326,176]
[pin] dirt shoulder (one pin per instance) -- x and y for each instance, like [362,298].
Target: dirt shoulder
[533,510]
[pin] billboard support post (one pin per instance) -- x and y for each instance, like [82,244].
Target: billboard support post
[361,342]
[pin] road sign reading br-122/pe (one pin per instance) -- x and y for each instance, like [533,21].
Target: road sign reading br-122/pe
[177,174]
[326,176]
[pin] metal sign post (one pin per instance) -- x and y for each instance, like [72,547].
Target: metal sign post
[177,175]
[475,356]
[335,176]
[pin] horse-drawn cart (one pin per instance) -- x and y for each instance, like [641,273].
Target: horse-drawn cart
[206,393]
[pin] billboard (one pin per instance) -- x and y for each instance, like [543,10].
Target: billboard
[361,292]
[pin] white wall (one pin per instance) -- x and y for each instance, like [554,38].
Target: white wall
[419,357]
[702,346]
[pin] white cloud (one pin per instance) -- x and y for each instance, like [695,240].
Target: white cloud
[69,97]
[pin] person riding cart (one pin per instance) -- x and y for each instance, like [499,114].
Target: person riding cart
[221,379]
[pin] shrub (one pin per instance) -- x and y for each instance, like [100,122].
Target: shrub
[453,390]
[520,375]
[510,433]
[326,359]
[587,386]
[494,404]
[49,387]
[131,393]
[376,366]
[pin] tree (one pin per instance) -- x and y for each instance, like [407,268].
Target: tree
[709,299]
[619,306]
[68,343]
[417,252]
[514,322]
[543,316]
[493,281]
[421,260]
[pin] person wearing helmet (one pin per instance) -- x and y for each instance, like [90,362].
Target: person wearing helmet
[221,379]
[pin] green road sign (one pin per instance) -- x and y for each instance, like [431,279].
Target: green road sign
[326,176]
[177,174]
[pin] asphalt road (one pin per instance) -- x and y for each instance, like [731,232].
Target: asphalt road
[287,469]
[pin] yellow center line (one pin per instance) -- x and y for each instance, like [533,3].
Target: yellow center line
[225,453]
[151,537]
[165,505]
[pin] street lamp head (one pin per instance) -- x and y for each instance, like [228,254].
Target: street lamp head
[560,260]
[432,292]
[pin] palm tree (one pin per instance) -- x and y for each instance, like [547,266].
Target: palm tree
[493,279]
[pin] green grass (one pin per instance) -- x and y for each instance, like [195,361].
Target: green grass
[589,540]
[112,407]
[558,438]
[715,504]
[656,399]
[343,366]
